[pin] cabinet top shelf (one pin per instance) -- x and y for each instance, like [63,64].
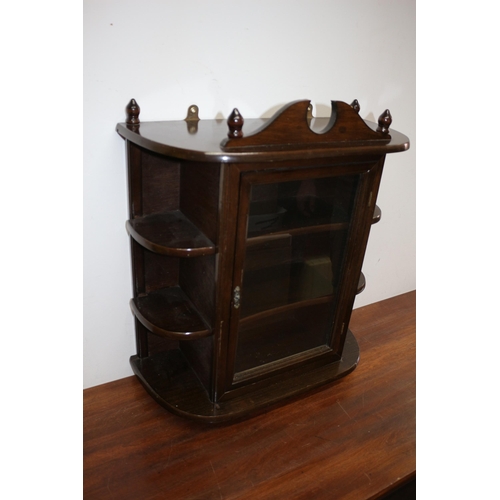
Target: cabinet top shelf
[292,133]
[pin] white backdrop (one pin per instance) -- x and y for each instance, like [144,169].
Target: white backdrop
[255,55]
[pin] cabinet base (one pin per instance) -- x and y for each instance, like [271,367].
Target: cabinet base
[170,381]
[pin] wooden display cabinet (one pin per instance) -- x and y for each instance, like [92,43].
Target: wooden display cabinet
[247,242]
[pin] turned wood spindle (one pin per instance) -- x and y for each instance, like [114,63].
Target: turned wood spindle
[384,122]
[133,111]
[235,124]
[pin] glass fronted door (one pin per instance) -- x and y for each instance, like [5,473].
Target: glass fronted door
[296,233]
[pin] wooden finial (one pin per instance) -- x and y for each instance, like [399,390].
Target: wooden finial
[355,105]
[384,122]
[235,124]
[133,111]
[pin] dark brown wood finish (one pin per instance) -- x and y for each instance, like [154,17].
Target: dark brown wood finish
[170,313]
[228,220]
[288,130]
[356,247]
[353,440]
[134,173]
[290,171]
[172,139]
[170,233]
[189,197]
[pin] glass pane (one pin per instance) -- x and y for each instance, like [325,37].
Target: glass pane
[296,236]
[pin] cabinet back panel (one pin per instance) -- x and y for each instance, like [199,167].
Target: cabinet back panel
[160,184]
[160,271]
[159,344]
[200,195]
[197,279]
[199,354]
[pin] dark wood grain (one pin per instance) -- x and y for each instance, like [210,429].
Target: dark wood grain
[305,189]
[171,138]
[289,130]
[200,195]
[160,271]
[353,440]
[197,280]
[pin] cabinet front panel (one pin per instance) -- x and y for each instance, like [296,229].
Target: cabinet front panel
[293,233]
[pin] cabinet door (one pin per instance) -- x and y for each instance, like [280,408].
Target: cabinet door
[295,238]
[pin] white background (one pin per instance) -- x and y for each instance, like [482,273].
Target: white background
[256,56]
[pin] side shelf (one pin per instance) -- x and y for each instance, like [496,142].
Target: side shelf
[361,284]
[169,313]
[170,233]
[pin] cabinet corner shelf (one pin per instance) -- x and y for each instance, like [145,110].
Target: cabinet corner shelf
[169,313]
[247,243]
[377,215]
[170,233]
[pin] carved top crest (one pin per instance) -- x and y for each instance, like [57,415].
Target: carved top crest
[289,129]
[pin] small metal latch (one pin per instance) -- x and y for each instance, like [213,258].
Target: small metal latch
[236,297]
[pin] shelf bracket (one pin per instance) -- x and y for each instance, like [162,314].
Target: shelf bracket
[192,119]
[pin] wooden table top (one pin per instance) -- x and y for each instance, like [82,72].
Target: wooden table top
[354,439]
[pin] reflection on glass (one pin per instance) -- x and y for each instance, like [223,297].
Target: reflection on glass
[296,236]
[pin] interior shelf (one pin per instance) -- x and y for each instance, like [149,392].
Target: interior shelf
[319,228]
[289,227]
[169,313]
[170,233]
[288,308]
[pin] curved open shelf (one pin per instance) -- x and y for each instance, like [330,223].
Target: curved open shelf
[169,313]
[170,233]
[361,284]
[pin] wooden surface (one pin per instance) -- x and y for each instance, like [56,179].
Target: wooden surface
[174,139]
[354,439]
[289,129]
